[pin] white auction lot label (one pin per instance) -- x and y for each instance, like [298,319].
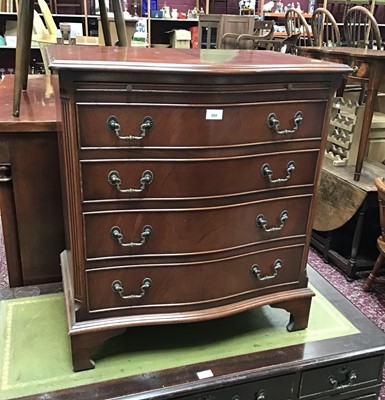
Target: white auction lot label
[214,114]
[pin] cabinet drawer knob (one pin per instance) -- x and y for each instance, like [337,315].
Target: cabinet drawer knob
[267,171]
[115,180]
[350,381]
[113,126]
[258,273]
[116,234]
[273,123]
[262,222]
[117,287]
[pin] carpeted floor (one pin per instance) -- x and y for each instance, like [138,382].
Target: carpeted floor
[371,304]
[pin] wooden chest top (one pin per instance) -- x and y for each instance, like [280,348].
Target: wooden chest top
[195,61]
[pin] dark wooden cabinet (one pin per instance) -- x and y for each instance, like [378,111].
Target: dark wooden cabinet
[188,179]
[30,190]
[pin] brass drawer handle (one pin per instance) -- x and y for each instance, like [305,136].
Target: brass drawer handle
[115,180]
[5,173]
[262,222]
[261,395]
[113,126]
[267,171]
[117,287]
[116,234]
[351,379]
[258,273]
[273,123]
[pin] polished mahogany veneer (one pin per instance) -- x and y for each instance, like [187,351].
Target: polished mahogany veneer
[188,180]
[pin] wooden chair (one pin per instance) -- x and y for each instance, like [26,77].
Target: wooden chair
[361,29]
[40,29]
[280,44]
[48,18]
[296,23]
[24,35]
[263,30]
[232,26]
[380,185]
[324,28]
[338,8]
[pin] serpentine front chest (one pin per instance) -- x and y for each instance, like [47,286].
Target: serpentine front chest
[188,179]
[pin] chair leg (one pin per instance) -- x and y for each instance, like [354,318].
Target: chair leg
[120,23]
[23,46]
[105,23]
[372,277]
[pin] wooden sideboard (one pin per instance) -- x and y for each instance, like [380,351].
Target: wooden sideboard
[30,191]
[188,178]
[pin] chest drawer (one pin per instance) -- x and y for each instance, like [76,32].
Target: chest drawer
[195,178]
[99,125]
[341,377]
[221,280]
[279,388]
[188,231]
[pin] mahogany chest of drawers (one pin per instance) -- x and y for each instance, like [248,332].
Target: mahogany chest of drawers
[188,180]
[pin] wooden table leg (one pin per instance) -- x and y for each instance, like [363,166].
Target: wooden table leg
[376,71]
[23,48]
[120,23]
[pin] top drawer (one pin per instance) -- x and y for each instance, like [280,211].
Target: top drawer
[173,126]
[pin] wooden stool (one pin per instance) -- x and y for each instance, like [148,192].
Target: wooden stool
[24,36]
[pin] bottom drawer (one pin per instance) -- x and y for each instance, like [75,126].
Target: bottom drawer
[342,377]
[279,388]
[203,284]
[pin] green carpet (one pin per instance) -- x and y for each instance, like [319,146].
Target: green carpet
[35,350]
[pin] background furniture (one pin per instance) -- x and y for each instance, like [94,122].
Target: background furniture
[361,29]
[380,185]
[263,30]
[346,224]
[295,22]
[240,240]
[231,26]
[30,192]
[369,67]
[324,28]
[48,18]
[221,31]
[281,44]
[24,35]
[130,26]
[208,31]
[39,29]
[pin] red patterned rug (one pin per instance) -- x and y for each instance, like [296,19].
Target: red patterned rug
[372,304]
